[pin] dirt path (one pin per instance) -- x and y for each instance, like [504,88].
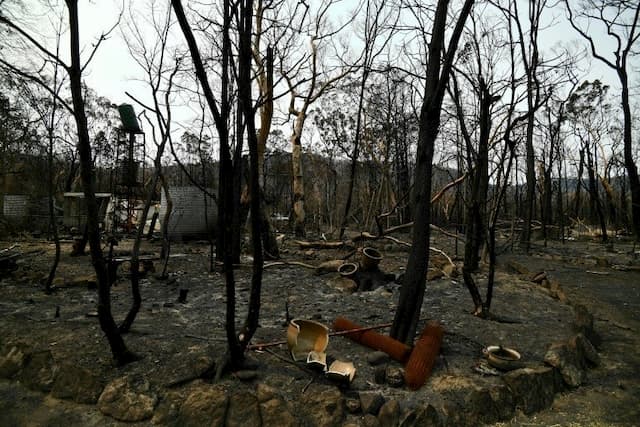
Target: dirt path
[611,396]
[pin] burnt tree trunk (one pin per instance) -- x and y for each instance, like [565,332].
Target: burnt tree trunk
[595,206]
[610,198]
[265,81]
[476,207]
[629,163]
[476,221]
[53,223]
[269,241]
[356,150]
[530,194]
[244,94]
[578,197]
[547,199]
[413,287]
[220,117]
[120,352]
[297,176]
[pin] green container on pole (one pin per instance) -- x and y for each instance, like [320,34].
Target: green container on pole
[128,118]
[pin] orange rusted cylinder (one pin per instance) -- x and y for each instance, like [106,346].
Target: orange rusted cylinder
[423,356]
[395,349]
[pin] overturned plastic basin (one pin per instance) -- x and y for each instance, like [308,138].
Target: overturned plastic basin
[370,258]
[305,336]
[348,269]
[506,359]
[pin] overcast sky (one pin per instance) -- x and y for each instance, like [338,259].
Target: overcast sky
[113,72]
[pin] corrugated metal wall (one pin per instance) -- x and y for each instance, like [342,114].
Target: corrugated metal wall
[188,215]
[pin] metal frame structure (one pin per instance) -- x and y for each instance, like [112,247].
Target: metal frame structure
[129,171]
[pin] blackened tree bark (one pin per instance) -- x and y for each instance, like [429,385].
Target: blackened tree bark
[556,116]
[477,231]
[478,166]
[476,224]
[228,182]
[596,212]
[53,223]
[439,65]
[531,61]
[546,212]
[48,113]
[560,205]
[577,201]
[107,324]
[245,98]
[229,174]
[230,169]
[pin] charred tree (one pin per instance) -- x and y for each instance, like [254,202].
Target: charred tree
[588,111]
[77,108]
[531,61]
[374,26]
[228,243]
[53,222]
[120,352]
[577,201]
[621,20]
[476,219]
[230,167]
[439,64]
[245,98]
[265,82]
[595,208]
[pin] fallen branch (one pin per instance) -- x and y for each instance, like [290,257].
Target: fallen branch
[600,273]
[447,233]
[441,252]
[444,189]
[620,267]
[433,227]
[201,338]
[397,241]
[15,245]
[434,199]
[397,228]
[314,373]
[616,324]
[320,244]
[365,236]
[279,263]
